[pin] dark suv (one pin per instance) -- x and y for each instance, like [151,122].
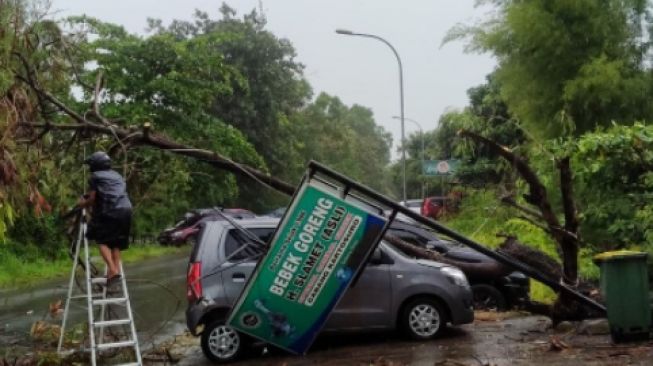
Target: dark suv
[499,293]
[394,291]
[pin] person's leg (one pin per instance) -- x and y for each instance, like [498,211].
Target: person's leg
[107,255]
[115,252]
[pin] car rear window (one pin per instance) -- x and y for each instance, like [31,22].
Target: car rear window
[237,239]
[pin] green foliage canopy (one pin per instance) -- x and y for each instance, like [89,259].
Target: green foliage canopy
[568,66]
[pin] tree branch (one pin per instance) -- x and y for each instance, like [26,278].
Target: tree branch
[534,223]
[485,269]
[537,192]
[512,203]
[163,143]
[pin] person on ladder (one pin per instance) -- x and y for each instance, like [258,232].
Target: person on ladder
[111,212]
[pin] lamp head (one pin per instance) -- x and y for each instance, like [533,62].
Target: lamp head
[344,31]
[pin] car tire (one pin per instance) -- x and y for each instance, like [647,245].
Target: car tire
[423,318]
[487,297]
[221,343]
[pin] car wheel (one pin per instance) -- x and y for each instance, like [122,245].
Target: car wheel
[221,343]
[487,297]
[423,318]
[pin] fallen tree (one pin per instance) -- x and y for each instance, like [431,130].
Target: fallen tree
[566,235]
[93,123]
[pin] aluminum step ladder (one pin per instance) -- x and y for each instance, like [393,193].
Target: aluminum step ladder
[100,301]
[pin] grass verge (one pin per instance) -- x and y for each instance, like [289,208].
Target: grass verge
[17,272]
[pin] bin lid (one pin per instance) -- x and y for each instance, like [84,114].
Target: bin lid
[618,255]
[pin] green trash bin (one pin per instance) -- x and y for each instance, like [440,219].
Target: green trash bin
[624,286]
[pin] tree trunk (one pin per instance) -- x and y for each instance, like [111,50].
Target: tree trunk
[532,257]
[564,307]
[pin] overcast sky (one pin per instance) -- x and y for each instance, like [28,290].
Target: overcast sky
[357,70]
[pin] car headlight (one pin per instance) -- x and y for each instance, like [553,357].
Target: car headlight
[456,276]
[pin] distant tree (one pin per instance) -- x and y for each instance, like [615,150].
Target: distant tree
[345,138]
[270,85]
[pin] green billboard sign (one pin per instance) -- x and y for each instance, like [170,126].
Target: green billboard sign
[440,167]
[317,250]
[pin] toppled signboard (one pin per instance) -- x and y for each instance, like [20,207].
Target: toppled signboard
[318,249]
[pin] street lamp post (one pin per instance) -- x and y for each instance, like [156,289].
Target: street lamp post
[421,132]
[401,96]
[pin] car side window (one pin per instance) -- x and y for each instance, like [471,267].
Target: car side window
[237,239]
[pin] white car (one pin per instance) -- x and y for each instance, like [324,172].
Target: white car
[414,205]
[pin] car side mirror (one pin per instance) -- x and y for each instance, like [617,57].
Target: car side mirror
[377,257]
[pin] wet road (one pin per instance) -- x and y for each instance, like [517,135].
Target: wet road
[156,286]
[517,339]
[520,340]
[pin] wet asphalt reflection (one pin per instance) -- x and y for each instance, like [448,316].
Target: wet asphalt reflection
[156,287]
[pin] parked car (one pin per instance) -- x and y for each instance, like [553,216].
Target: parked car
[418,297]
[433,207]
[436,206]
[500,293]
[188,226]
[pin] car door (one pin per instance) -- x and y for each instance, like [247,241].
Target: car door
[235,276]
[368,303]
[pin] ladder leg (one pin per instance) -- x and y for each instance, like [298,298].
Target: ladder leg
[89,298]
[103,309]
[71,283]
[125,293]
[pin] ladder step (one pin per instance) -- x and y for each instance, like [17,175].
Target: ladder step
[129,364]
[113,300]
[115,345]
[109,323]
[101,280]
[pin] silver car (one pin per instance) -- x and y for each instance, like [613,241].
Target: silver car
[418,297]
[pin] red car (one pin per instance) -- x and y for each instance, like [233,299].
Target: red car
[433,207]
